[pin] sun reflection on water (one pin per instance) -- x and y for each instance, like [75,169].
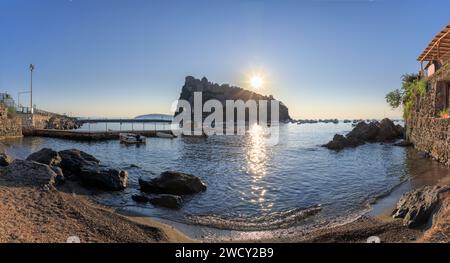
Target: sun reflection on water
[256,161]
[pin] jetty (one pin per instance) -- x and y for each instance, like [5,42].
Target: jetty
[120,120]
[92,135]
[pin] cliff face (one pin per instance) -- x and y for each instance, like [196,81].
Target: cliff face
[226,92]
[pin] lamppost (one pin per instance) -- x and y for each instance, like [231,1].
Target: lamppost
[31,88]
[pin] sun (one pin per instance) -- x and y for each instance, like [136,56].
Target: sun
[256,82]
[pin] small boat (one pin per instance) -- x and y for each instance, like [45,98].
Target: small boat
[165,135]
[192,135]
[131,138]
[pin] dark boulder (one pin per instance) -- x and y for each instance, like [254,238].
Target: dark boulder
[167,200]
[416,207]
[30,173]
[173,183]
[140,198]
[73,159]
[5,160]
[103,177]
[45,156]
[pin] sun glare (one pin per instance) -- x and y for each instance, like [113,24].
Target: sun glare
[256,82]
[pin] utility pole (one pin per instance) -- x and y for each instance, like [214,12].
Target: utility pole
[31,88]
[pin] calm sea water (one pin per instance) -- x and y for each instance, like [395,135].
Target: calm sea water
[253,186]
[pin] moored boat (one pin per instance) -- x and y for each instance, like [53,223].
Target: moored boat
[131,138]
[165,135]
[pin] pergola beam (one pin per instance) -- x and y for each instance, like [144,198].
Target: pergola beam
[440,44]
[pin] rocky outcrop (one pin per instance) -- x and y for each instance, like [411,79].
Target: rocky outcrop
[31,173]
[5,160]
[416,207]
[83,167]
[225,92]
[384,131]
[87,169]
[45,156]
[175,183]
[60,122]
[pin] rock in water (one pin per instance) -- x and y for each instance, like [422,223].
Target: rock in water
[45,156]
[5,160]
[173,183]
[167,200]
[73,159]
[140,198]
[29,173]
[416,207]
[364,131]
[340,142]
[384,131]
[103,177]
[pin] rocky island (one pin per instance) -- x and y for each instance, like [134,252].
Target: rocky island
[224,92]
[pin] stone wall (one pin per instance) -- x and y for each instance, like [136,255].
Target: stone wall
[424,128]
[10,126]
[431,135]
[33,121]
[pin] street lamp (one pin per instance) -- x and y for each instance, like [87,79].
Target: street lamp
[31,87]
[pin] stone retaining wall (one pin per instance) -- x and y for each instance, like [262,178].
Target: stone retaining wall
[10,126]
[431,135]
[424,128]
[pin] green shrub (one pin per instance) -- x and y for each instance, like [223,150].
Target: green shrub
[11,111]
[406,96]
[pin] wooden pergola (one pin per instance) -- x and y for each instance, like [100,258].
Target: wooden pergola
[438,48]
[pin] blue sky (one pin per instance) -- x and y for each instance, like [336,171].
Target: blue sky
[125,58]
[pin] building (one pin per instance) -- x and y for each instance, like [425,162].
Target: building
[7,100]
[428,125]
